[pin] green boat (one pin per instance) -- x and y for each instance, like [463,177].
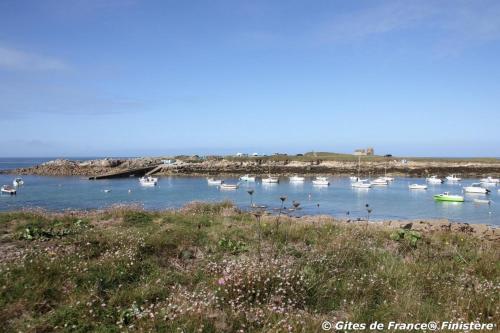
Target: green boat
[446,196]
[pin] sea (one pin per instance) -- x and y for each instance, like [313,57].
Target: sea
[395,201]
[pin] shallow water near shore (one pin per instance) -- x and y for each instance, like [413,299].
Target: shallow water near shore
[395,201]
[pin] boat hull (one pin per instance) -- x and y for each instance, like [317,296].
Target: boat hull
[449,198]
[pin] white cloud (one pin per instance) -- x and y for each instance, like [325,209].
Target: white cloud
[12,59]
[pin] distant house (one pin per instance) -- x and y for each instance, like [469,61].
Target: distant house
[171,161]
[364,152]
[255,154]
[241,155]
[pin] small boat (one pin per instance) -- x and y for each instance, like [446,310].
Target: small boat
[270,180]
[491,180]
[229,186]
[148,181]
[482,201]
[297,179]
[212,181]
[476,188]
[446,196]
[7,189]
[362,183]
[107,191]
[453,178]
[18,182]
[379,182]
[417,187]
[434,180]
[321,181]
[387,178]
[247,178]
[353,179]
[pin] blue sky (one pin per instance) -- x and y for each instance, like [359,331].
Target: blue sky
[130,77]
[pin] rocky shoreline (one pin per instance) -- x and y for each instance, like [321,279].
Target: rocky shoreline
[234,167]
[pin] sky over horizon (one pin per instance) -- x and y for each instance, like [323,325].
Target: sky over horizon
[131,77]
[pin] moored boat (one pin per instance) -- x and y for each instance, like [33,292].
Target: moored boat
[379,182]
[446,196]
[476,188]
[148,181]
[7,189]
[387,178]
[18,182]
[491,180]
[247,178]
[270,180]
[434,180]
[225,186]
[417,187]
[212,181]
[321,181]
[482,201]
[297,179]
[362,183]
[453,178]
[353,179]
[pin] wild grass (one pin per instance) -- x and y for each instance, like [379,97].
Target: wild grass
[198,270]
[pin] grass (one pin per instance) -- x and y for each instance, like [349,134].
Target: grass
[197,270]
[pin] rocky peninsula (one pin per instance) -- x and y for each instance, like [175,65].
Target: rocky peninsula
[336,165]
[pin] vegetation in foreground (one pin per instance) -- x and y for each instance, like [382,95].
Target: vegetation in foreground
[211,268]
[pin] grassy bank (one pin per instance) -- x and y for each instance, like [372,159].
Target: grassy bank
[211,268]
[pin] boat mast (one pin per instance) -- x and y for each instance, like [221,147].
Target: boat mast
[359,165]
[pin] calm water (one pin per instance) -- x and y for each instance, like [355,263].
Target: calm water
[394,201]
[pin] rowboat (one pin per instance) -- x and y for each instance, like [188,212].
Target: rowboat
[18,182]
[453,178]
[417,187]
[297,179]
[362,183]
[7,189]
[446,196]
[229,186]
[433,180]
[476,188]
[212,181]
[247,178]
[379,182]
[270,180]
[148,181]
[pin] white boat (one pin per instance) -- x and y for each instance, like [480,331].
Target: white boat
[18,182]
[148,181]
[362,183]
[229,186]
[491,180]
[482,201]
[107,191]
[353,179]
[320,182]
[379,182]
[417,187]
[476,188]
[270,180]
[453,178]
[387,178]
[212,181]
[297,179]
[247,178]
[321,178]
[434,180]
[7,189]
